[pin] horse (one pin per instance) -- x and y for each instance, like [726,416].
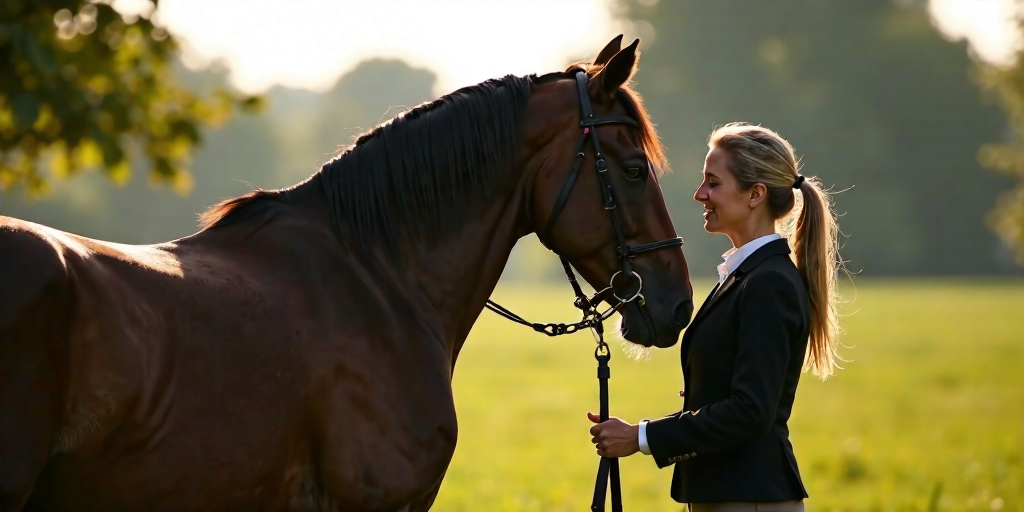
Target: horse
[296,352]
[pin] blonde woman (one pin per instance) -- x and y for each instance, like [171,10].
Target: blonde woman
[771,316]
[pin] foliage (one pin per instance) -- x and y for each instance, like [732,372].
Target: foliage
[1006,84]
[926,410]
[84,86]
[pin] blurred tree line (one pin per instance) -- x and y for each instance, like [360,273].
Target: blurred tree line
[876,101]
[1006,156]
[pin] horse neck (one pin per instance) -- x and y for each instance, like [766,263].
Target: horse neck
[457,274]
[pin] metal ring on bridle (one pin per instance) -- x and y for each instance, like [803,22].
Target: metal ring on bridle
[640,280]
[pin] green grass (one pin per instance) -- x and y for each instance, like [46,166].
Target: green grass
[928,413]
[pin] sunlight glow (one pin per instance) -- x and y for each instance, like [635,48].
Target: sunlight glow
[311,43]
[987,24]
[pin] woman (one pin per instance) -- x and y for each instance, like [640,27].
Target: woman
[771,316]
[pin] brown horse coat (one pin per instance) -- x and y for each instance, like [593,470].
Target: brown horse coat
[297,353]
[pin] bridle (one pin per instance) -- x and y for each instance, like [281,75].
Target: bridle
[624,252]
[609,467]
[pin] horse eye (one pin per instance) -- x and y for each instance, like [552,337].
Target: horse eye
[633,172]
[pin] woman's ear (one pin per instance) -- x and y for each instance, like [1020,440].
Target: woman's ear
[758,193]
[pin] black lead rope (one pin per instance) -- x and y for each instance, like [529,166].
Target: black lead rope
[608,469]
[588,305]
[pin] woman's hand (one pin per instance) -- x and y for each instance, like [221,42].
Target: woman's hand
[614,438]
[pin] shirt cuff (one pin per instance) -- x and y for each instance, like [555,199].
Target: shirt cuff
[644,449]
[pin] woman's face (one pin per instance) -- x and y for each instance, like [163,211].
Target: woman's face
[726,207]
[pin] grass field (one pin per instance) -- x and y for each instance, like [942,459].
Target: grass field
[928,413]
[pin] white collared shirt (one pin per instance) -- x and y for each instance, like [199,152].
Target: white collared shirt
[733,259]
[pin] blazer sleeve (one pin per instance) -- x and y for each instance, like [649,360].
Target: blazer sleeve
[770,320]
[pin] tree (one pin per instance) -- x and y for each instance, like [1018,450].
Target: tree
[84,86]
[1006,85]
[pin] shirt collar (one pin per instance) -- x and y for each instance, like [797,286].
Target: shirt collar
[735,256]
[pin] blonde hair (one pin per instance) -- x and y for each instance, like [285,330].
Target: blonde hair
[759,155]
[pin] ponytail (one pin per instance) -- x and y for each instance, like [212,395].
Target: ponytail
[816,253]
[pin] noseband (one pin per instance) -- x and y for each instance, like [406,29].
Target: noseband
[608,470]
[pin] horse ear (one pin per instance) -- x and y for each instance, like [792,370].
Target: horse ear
[619,70]
[609,51]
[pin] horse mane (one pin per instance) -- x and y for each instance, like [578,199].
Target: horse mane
[419,171]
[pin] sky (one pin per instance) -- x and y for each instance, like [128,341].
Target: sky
[310,43]
[988,25]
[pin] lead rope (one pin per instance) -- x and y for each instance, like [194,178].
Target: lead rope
[608,468]
[588,305]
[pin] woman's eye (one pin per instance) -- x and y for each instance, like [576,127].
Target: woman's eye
[633,172]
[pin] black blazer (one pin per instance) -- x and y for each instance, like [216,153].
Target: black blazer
[741,357]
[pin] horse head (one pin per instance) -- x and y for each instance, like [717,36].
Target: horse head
[595,199]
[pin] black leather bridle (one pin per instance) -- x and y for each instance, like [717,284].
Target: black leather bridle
[609,467]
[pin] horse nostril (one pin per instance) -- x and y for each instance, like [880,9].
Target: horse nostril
[681,316]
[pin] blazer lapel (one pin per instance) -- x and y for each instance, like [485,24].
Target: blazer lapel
[773,248]
[729,281]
